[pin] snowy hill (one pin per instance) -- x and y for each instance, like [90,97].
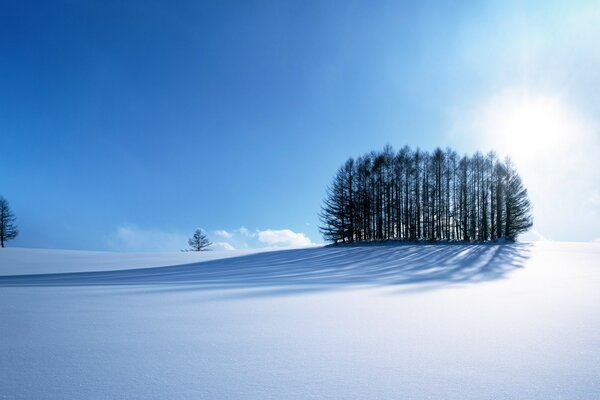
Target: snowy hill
[20,261]
[411,321]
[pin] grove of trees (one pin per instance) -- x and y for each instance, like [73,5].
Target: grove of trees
[415,195]
[8,228]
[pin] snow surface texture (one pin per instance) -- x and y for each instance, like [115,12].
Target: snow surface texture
[517,321]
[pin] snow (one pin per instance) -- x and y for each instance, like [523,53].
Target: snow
[18,261]
[411,321]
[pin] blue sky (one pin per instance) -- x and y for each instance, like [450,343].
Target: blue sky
[126,125]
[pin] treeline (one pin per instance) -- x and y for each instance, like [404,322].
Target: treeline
[414,195]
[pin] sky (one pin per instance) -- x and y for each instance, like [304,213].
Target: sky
[126,125]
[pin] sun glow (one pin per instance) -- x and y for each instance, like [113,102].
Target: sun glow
[530,127]
[555,148]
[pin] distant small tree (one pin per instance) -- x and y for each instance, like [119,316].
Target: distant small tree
[199,241]
[8,228]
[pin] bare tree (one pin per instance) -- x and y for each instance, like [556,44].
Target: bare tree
[8,228]
[199,241]
[518,207]
[337,212]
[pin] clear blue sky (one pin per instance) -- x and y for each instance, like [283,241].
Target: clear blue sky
[122,123]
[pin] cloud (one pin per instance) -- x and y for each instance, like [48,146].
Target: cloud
[222,246]
[244,231]
[129,237]
[283,238]
[223,233]
[244,238]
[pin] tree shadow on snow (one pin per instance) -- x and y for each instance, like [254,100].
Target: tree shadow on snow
[301,270]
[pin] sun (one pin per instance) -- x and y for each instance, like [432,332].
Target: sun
[529,126]
[535,125]
[554,145]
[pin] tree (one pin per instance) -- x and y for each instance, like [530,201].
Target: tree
[199,241]
[518,207]
[336,214]
[8,229]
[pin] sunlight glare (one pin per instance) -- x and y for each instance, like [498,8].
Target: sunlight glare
[532,126]
[554,146]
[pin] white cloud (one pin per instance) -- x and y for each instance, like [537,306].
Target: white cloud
[133,238]
[223,233]
[244,238]
[283,238]
[129,237]
[244,231]
[222,246]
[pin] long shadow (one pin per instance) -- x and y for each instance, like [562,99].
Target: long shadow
[312,269]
